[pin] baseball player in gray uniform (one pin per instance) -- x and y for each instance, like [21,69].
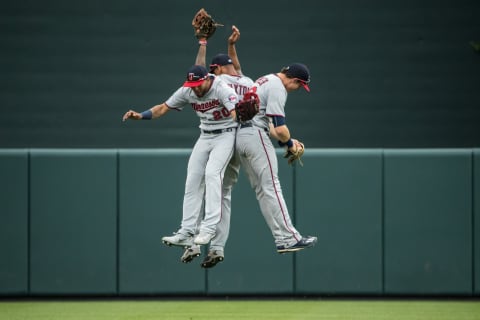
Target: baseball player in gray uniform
[214,102]
[226,67]
[257,154]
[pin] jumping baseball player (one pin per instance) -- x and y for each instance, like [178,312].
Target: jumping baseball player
[214,102]
[258,158]
[226,67]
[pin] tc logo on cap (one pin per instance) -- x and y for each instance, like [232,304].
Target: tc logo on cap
[195,76]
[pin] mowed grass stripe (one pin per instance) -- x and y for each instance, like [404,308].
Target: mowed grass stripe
[236,310]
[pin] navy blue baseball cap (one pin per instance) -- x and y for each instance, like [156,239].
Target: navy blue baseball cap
[299,72]
[219,60]
[195,76]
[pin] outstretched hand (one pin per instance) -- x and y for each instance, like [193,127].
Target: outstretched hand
[132,115]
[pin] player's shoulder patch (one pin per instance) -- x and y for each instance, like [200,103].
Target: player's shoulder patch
[233,98]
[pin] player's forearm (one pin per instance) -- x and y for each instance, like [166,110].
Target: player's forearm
[232,53]
[284,138]
[159,110]
[273,132]
[201,55]
[280,133]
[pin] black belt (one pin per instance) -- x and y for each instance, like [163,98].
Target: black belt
[218,131]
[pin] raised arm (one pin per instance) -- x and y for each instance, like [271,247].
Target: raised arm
[202,53]
[232,51]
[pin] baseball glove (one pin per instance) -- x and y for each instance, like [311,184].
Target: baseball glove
[297,155]
[248,107]
[203,25]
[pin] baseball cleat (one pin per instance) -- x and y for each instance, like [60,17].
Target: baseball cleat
[190,253]
[212,259]
[178,239]
[305,242]
[203,238]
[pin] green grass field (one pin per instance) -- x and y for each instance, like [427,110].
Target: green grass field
[238,309]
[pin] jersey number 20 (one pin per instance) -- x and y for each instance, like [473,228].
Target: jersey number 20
[224,113]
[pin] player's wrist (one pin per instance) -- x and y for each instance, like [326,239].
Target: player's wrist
[288,143]
[147,114]
[202,42]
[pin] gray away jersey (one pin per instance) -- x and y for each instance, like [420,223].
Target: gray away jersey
[213,109]
[273,96]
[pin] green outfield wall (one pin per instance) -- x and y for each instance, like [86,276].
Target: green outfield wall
[389,222]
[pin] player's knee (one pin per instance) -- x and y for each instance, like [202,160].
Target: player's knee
[212,175]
